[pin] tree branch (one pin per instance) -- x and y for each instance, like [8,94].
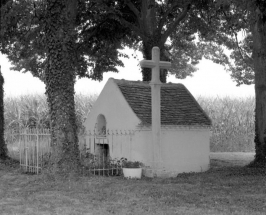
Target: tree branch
[167,12]
[134,28]
[173,26]
[236,39]
[133,9]
[240,50]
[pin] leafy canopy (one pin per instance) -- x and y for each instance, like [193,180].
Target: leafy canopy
[104,28]
[98,38]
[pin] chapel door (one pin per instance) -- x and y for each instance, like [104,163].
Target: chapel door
[102,152]
[101,141]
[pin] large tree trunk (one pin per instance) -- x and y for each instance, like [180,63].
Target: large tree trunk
[146,72]
[3,147]
[259,56]
[60,79]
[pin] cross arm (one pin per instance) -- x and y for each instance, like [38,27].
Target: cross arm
[147,63]
[152,64]
[164,64]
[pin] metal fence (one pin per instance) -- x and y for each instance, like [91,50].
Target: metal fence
[30,146]
[101,154]
[34,148]
[97,152]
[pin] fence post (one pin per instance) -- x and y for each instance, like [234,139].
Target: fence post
[37,156]
[20,151]
[26,150]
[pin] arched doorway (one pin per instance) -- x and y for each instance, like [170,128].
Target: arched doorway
[102,147]
[101,125]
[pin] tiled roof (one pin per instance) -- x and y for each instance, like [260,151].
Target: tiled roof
[178,106]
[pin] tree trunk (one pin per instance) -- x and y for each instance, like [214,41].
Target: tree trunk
[146,72]
[59,80]
[3,147]
[147,50]
[259,57]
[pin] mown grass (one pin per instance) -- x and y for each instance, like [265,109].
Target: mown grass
[222,190]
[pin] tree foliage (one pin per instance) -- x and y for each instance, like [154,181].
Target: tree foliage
[185,31]
[103,27]
[249,55]
[23,29]
[234,23]
[153,23]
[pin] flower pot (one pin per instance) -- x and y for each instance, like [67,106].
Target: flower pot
[132,172]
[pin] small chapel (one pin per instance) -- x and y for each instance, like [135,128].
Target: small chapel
[163,125]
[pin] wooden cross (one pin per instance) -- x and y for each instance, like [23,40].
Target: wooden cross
[155,83]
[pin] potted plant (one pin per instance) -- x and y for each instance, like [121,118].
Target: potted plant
[132,169]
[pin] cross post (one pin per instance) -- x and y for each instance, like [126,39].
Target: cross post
[155,84]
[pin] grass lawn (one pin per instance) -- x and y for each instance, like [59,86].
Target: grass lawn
[225,189]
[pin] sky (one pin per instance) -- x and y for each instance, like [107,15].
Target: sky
[210,80]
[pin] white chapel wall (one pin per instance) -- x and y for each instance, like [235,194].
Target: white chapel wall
[113,106]
[142,149]
[183,150]
[119,117]
[186,150]
[134,147]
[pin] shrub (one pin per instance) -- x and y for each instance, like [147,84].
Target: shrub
[94,164]
[131,164]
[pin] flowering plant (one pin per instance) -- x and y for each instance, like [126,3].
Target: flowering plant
[131,164]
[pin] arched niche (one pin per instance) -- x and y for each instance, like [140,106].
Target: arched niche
[101,125]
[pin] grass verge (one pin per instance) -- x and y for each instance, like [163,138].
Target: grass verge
[224,189]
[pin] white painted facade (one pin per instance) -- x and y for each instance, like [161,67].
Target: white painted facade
[186,149]
[183,149]
[114,107]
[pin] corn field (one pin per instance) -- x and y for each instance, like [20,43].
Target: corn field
[233,123]
[232,118]
[32,111]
